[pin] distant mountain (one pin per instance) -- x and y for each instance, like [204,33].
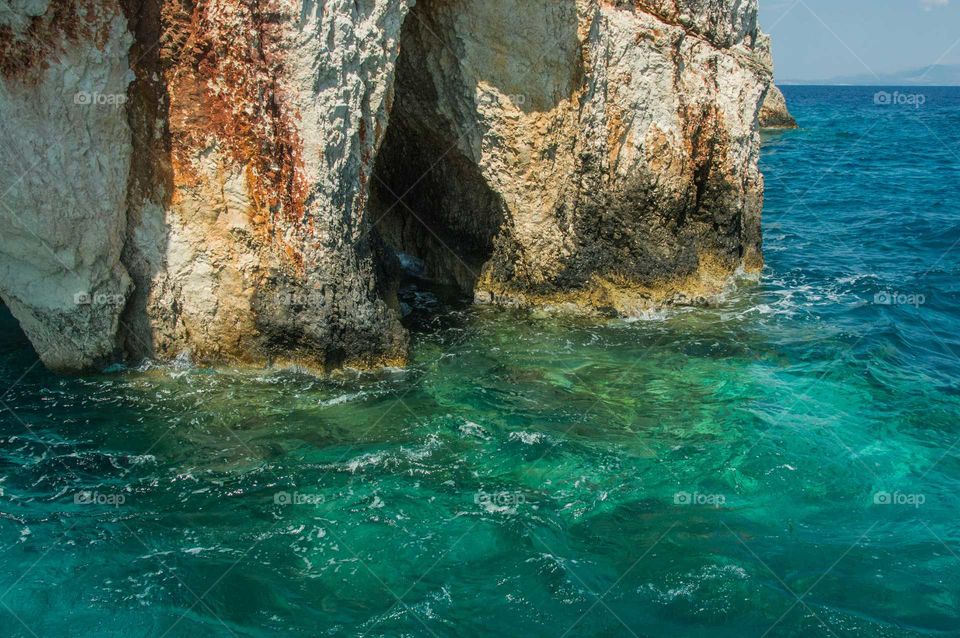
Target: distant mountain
[933,75]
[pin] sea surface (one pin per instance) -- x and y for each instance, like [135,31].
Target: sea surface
[785,463]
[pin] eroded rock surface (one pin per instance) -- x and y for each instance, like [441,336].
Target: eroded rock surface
[597,153]
[248,239]
[64,160]
[248,202]
[774,113]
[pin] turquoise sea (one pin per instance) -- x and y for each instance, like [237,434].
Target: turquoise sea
[786,463]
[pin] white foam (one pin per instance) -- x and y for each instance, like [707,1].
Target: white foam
[474,429]
[343,398]
[527,438]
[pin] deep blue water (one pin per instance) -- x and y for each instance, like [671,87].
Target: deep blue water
[786,463]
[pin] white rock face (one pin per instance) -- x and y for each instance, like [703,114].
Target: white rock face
[617,140]
[248,239]
[281,154]
[65,156]
[724,23]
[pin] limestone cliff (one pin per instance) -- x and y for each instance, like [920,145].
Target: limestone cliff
[235,179]
[255,126]
[64,159]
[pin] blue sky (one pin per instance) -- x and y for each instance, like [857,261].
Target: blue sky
[822,39]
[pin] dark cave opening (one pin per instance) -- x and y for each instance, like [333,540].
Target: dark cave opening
[433,210]
[14,344]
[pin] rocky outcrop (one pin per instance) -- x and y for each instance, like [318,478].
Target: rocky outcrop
[64,160]
[248,200]
[774,112]
[600,154]
[255,126]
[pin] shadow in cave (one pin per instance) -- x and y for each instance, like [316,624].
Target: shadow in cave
[16,351]
[436,215]
[430,203]
[150,186]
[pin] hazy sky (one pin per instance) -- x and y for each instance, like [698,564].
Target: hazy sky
[821,39]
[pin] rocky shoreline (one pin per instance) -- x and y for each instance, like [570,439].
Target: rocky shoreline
[243,180]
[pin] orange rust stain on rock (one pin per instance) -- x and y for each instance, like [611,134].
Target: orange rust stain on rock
[666,11]
[223,63]
[617,126]
[704,136]
[23,52]
[366,159]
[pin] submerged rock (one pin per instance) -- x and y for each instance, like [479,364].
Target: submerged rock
[243,174]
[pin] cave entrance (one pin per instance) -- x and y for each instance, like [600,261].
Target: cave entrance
[16,347]
[429,203]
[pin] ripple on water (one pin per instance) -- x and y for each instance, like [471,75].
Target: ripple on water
[702,461]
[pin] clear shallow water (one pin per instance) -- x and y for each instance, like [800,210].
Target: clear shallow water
[688,475]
